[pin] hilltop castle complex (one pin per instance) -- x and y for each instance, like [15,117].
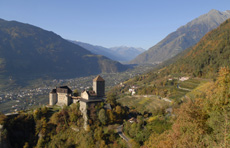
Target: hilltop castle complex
[63,96]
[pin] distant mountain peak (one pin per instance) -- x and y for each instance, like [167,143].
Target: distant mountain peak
[227,11]
[128,47]
[119,53]
[213,10]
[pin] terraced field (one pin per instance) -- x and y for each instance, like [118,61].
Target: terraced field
[144,103]
[186,86]
[152,103]
[191,83]
[200,90]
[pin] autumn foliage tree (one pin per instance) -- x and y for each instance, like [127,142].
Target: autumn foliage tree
[103,117]
[203,122]
[2,118]
[218,106]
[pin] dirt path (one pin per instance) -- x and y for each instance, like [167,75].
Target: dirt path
[183,88]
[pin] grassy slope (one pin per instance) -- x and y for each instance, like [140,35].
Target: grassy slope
[152,103]
[142,103]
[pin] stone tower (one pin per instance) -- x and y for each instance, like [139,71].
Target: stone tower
[53,97]
[99,86]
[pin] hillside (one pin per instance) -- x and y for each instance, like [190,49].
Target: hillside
[204,119]
[203,112]
[184,37]
[200,64]
[63,127]
[207,56]
[120,53]
[28,52]
[197,85]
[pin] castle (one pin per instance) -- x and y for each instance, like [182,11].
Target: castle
[60,96]
[63,96]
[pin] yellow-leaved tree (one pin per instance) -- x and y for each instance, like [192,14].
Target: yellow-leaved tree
[202,122]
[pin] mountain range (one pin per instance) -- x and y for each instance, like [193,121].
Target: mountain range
[207,57]
[28,52]
[184,37]
[204,59]
[119,53]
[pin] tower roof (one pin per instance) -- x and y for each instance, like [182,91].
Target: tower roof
[98,78]
[53,91]
[64,89]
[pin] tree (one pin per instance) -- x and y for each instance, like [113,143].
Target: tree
[134,144]
[218,106]
[111,99]
[75,93]
[44,110]
[26,145]
[2,118]
[188,130]
[102,116]
[98,133]
[111,116]
[118,109]
[201,122]
[41,126]
[37,114]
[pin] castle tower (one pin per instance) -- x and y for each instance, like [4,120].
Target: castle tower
[99,86]
[53,97]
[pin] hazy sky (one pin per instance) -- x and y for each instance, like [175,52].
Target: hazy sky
[138,23]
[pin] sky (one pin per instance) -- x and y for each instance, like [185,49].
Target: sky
[109,23]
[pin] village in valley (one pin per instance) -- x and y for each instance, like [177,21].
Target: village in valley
[13,100]
[28,97]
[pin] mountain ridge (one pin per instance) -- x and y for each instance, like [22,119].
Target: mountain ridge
[184,37]
[203,59]
[28,51]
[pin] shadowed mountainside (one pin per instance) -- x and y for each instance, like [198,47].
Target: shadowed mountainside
[28,52]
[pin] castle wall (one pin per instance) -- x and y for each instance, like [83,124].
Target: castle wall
[83,109]
[75,100]
[52,98]
[63,98]
[95,86]
[70,100]
[85,95]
